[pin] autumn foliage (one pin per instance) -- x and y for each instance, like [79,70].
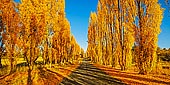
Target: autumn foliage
[120,33]
[36,29]
[125,30]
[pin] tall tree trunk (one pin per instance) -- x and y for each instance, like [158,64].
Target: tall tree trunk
[29,80]
[12,63]
[0,61]
[140,58]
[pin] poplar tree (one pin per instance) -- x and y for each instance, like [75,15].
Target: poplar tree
[149,15]
[120,25]
[10,23]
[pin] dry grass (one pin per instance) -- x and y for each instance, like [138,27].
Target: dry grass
[165,68]
[40,76]
[133,78]
[17,61]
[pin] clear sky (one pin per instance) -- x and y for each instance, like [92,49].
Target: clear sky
[78,12]
[164,37]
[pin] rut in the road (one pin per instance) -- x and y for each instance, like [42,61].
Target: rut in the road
[87,74]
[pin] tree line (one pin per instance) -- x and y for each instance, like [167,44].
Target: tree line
[36,28]
[125,30]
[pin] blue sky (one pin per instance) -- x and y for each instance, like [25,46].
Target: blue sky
[78,12]
[164,37]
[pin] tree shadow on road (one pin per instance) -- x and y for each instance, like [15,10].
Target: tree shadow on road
[87,74]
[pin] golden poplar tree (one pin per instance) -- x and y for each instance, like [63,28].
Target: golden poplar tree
[92,36]
[51,22]
[10,18]
[125,32]
[32,32]
[2,39]
[120,25]
[149,15]
[113,33]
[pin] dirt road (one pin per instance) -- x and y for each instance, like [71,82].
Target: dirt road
[87,74]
